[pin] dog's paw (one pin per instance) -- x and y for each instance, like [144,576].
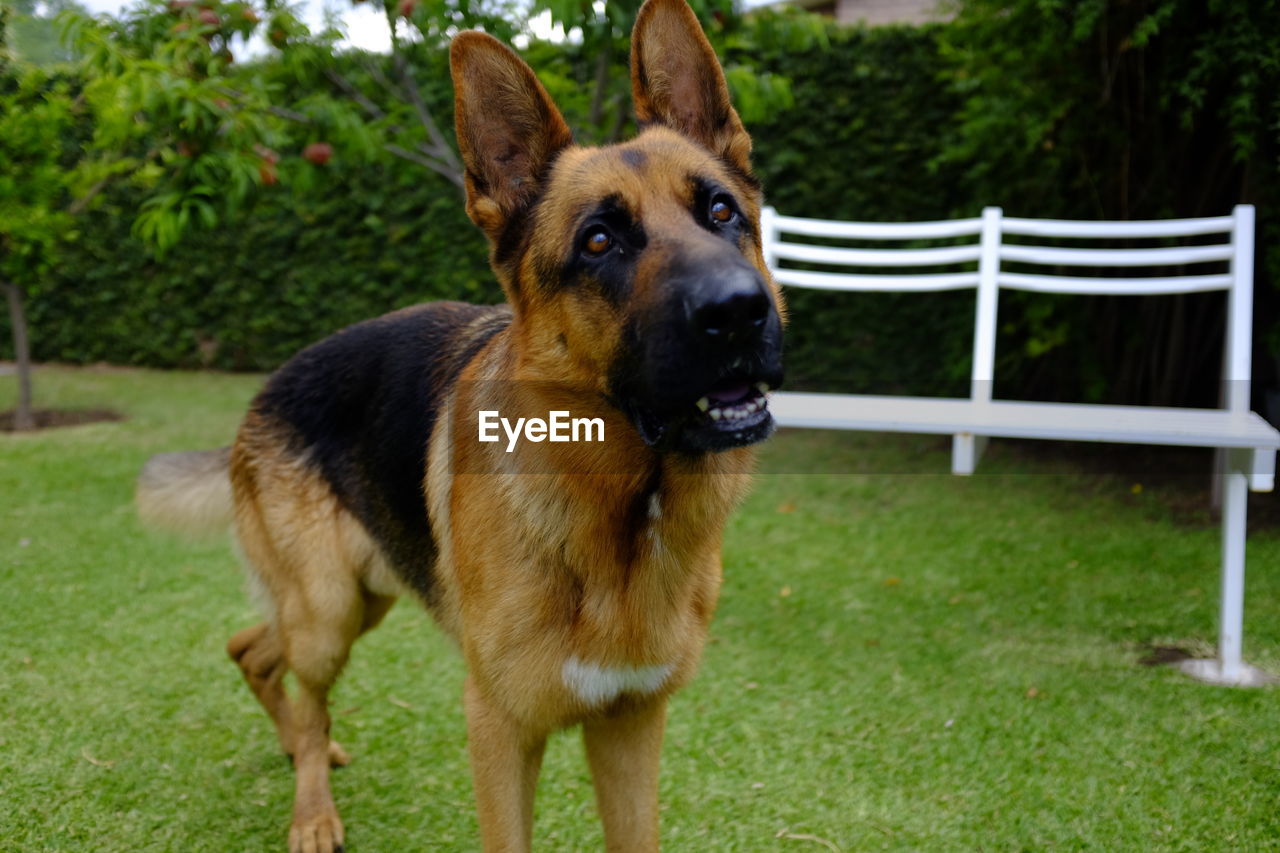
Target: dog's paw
[319,834]
[338,757]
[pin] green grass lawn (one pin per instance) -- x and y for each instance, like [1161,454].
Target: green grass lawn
[902,660]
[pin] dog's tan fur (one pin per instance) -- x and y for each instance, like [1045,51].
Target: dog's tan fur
[607,553]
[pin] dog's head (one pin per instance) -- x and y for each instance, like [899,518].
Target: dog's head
[634,269]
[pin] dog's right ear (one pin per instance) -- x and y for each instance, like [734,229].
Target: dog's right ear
[508,128]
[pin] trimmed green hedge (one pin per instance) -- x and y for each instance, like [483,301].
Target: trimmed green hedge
[245,296]
[858,146]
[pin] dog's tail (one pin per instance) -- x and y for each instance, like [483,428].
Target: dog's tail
[187,493]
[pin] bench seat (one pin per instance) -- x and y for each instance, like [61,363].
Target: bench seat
[1214,428]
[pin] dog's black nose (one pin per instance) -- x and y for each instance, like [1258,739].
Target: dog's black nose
[730,306]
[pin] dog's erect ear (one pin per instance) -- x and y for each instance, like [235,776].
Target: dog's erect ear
[508,128]
[676,80]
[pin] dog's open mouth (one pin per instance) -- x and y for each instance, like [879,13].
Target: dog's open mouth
[733,413]
[735,403]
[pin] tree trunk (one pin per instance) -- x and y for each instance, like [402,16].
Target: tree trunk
[596,115]
[22,418]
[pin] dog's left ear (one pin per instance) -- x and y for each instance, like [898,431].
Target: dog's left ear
[508,128]
[676,80]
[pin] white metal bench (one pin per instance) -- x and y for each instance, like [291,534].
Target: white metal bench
[1247,444]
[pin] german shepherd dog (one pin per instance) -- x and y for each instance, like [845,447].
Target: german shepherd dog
[578,579]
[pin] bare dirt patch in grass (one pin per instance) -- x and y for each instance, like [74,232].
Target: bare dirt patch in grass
[51,418]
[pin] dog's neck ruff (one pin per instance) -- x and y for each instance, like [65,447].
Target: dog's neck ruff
[599,685]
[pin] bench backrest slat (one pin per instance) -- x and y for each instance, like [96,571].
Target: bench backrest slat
[1089,270]
[876,257]
[1114,286]
[1117,229]
[930,283]
[877,230]
[1168,256]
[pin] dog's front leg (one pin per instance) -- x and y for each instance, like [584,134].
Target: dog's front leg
[316,827]
[505,759]
[623,749]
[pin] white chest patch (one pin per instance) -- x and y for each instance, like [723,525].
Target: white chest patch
[597,685]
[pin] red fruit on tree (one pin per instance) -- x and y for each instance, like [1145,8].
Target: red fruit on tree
[406,8]
[250,16]
[318,153]
[210,18]
[267,173]
[176,6]
[277,37]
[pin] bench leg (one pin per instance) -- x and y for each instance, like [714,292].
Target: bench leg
[966,450]
[1235,500]
[1229,668]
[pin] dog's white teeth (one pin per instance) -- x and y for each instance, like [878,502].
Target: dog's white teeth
[762,387]
[734,411]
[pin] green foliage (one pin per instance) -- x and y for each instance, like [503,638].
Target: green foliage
[200,134]
[1120,110]
[195,132]
[762,89]
[33,33]
[590,78]
[36,155]
[1077,88]
[858,142]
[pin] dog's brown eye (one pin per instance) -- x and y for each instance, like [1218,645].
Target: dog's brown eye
[597,242]
[721,212]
